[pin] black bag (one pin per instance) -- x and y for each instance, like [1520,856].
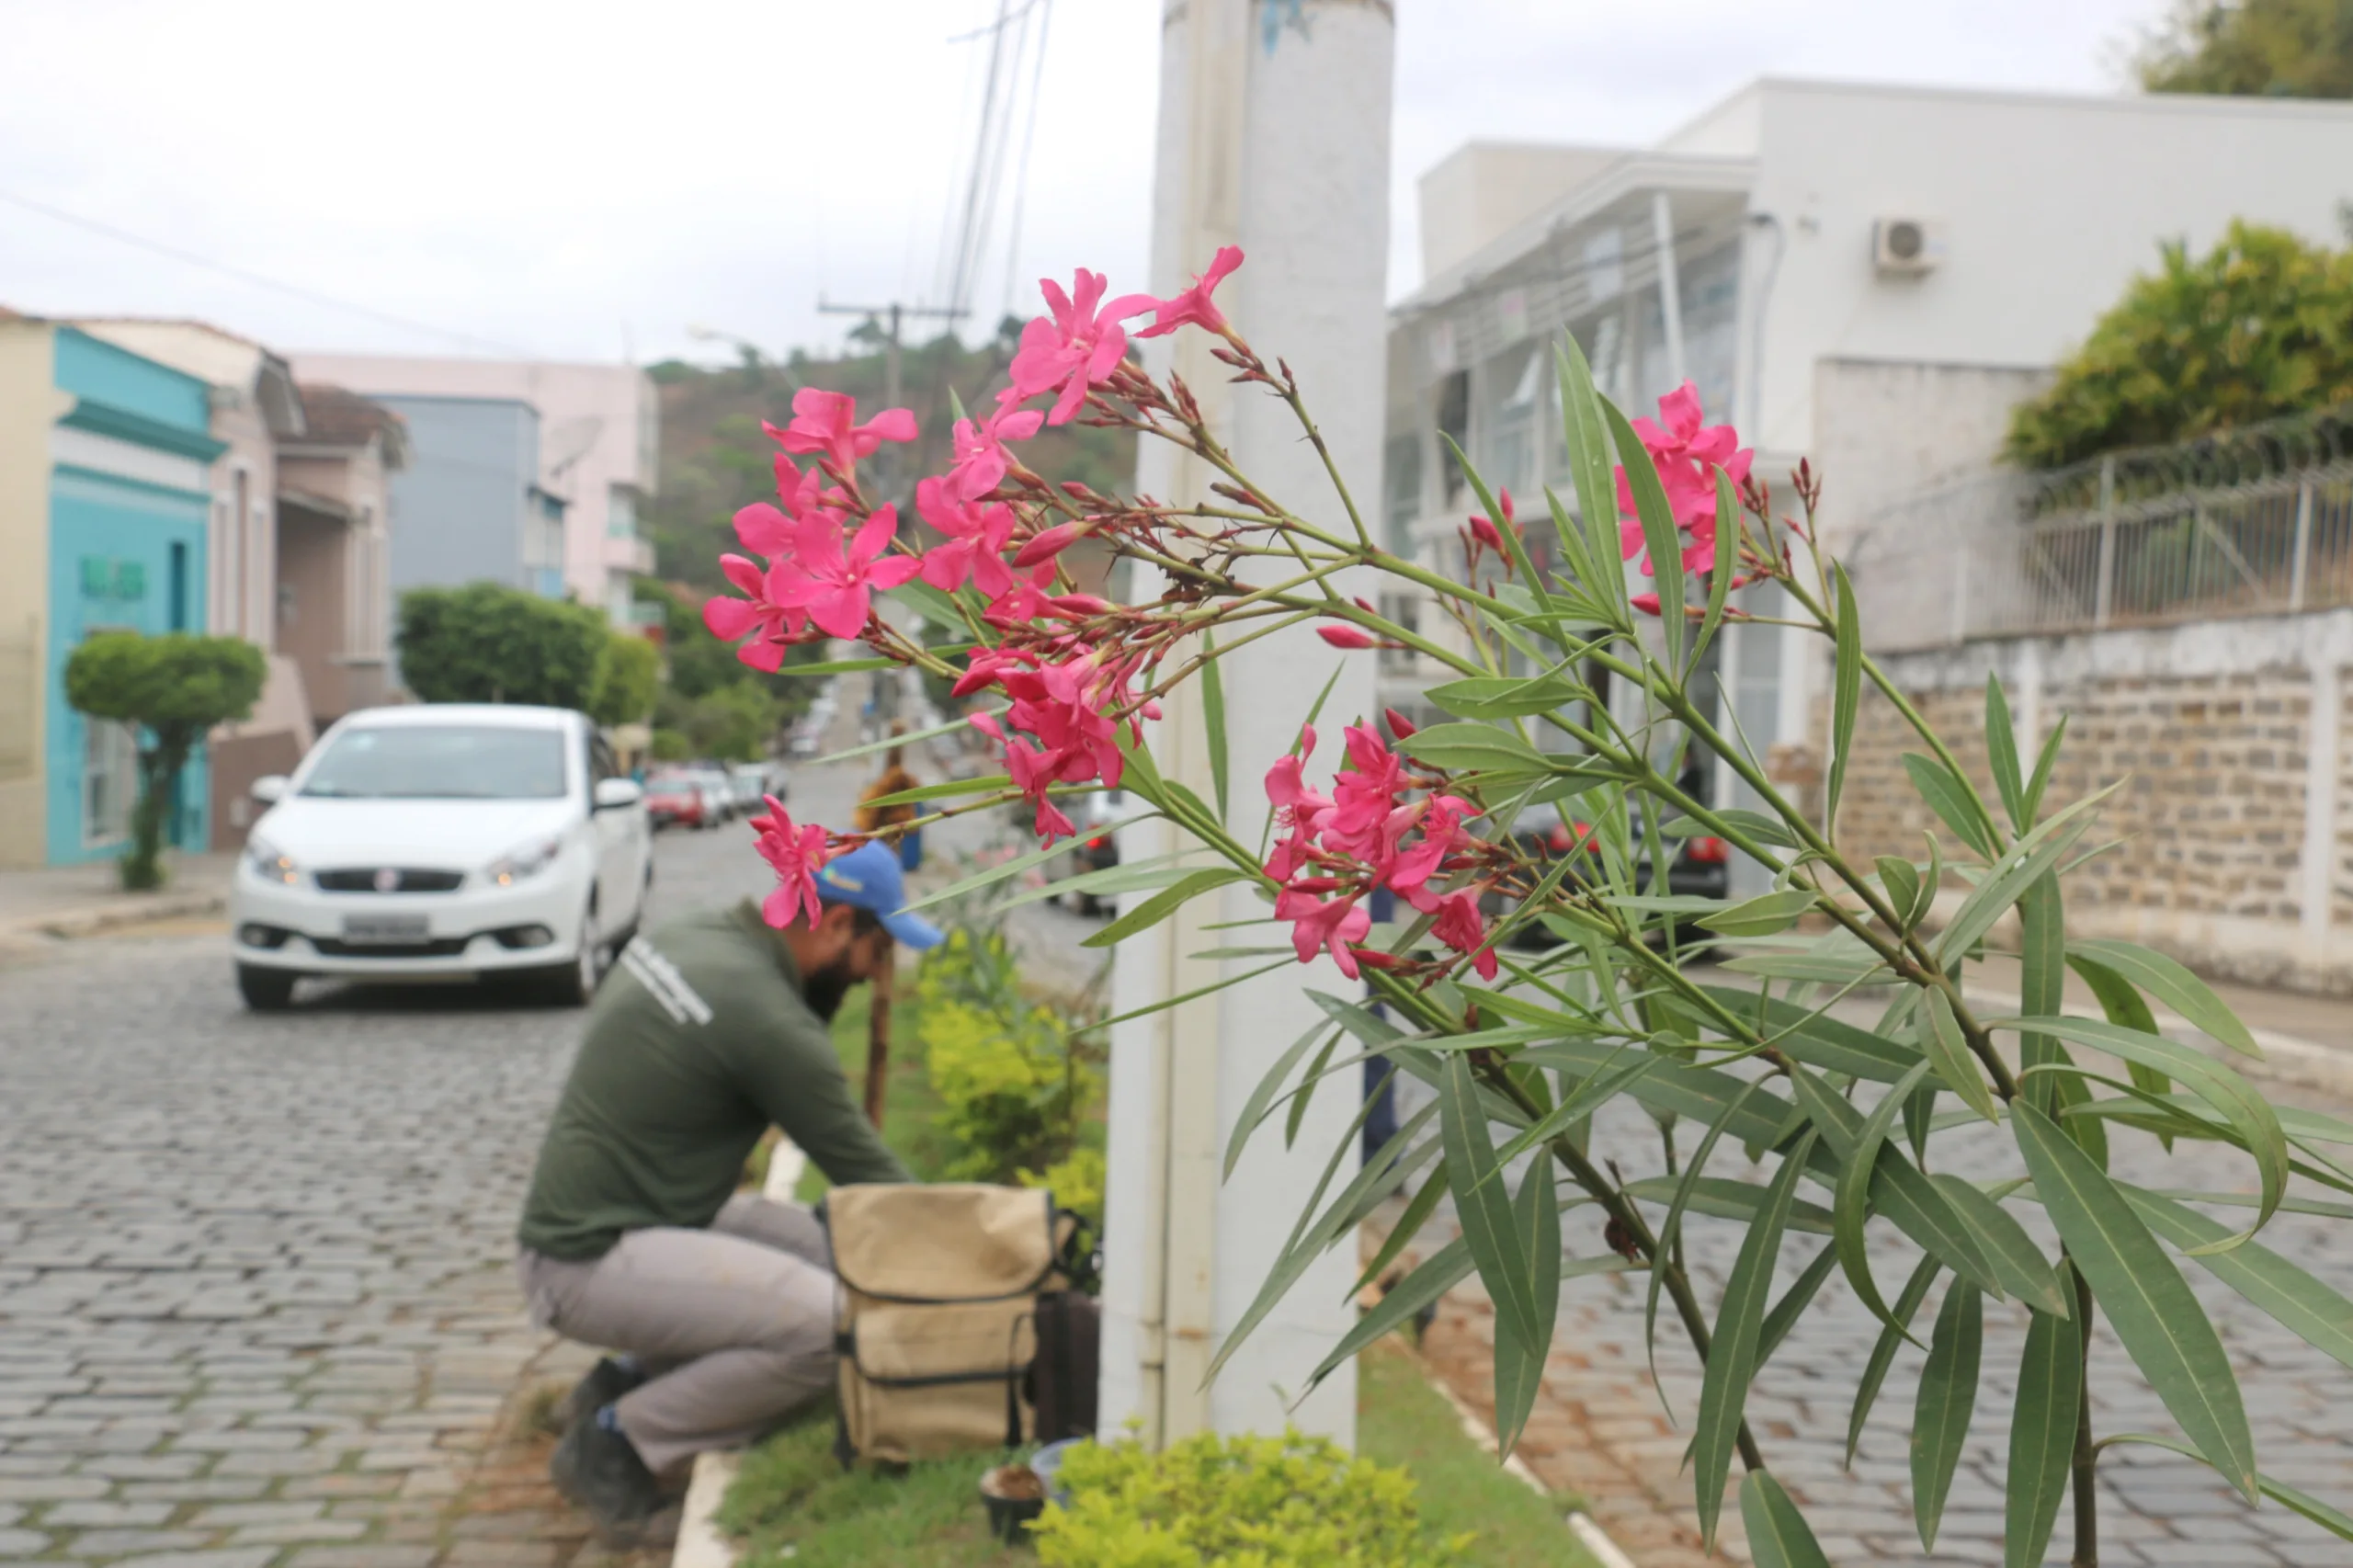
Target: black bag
[1067,1360]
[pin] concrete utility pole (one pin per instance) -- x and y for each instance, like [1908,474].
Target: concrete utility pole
[1274,135]
[892,485]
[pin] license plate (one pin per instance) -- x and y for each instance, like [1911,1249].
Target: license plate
[385,929]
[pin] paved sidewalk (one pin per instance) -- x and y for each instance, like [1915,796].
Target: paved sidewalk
[74,901]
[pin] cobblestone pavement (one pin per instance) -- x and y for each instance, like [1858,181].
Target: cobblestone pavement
[1598,1427]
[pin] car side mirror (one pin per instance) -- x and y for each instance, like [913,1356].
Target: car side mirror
[614,794]
[269,788]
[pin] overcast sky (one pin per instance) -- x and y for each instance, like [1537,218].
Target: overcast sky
[587,179]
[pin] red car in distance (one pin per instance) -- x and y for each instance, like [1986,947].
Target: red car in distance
[675,800]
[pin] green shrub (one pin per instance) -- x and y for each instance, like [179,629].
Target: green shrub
[1018,1087]
[1243,1501]
[1076,1181]
[487,642]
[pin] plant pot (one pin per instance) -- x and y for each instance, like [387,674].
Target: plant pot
[1014,1497]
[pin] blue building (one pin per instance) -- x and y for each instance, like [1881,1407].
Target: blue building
[105,500]
[468,508]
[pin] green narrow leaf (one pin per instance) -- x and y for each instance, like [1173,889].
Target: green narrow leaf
[2141,1289]
[1732,1360]
[1727,567]
[1519,1364]
[1779,1536]
[1882,1357]
[1213,717]
[2296,1300]
[923,793]
[2175,986]
[2043,1433]
[1845,695]
[1475,746]
[1163,904]
[1401,1235]
[1012,868]
[1586,436]
[1672,1226]
[1942,1041]
[2002,751]
[1820,1040]
[1947,1396]
[2334,1520]
[2016,870]
[1482,1204]
[1903,884]
[1951,799]
[1931,884]
[1441,1272]
[1793,1302]
[1851,1206]
[1762,915]
[890,743]
[2016,1262]
[1262,1096]
[1659,534]
[1587,1098]
[1306,1094]
[1899,1191]
[2125,1007]
[2043,982]
[2043,766]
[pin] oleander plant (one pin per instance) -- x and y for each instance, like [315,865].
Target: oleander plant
[1531,986]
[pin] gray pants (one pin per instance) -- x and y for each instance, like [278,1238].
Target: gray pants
[736,1323]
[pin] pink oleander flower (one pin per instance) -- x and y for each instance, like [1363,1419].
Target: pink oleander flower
[1065,706]
[1459,927]
[775,624]
[1298,809]
[980,458]
[823,422]
[1363,799]
[1024,601]
[1033,771]
[1686,454]
[1075,347]
[977,534]
[1333,926]
[833,576]
[1486,532]
[1050,542]
[1193,304]
[1440,819]
[797,853]
[1348,636]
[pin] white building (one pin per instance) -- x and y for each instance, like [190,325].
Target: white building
[600,434]
[1870,276]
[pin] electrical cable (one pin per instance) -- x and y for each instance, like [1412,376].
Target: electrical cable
[258,280]
[1021,169]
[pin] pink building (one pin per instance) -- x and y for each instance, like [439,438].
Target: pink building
[599,431]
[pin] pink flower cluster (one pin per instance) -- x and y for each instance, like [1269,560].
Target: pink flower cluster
[796,854]
[1340,847]
[1686,454]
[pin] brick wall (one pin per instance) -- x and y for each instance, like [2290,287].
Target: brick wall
[2211,729]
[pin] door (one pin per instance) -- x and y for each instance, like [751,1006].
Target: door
[622,844]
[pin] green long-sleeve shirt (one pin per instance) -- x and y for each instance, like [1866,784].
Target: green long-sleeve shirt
[699,1041]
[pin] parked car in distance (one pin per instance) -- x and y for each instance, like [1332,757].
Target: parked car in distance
[675,800]
[718,793]
[1095,848]
[752,780]
[443,841]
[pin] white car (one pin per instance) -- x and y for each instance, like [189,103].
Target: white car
[444,841]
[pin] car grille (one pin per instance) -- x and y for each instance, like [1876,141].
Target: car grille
[362,879]
[439,948]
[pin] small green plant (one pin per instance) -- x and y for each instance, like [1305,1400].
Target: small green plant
[628,677]
[488,643]
[1076,1181]
[1015,1084]
[1288,1502]
[171,690]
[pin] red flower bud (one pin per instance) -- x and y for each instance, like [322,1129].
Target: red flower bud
[1346,637]
[1399,725]
[1051,543]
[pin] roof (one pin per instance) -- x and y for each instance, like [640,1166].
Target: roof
[336,416]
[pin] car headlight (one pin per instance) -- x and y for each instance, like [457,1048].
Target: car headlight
[521,865]
[270,863]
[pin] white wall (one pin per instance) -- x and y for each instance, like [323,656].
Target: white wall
[1482,188]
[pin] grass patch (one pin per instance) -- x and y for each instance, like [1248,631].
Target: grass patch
[792,1493]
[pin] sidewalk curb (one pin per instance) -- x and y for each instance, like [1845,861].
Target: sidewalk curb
[68,924]
[1588,1531]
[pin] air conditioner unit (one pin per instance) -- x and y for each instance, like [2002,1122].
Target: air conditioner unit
[1906,247]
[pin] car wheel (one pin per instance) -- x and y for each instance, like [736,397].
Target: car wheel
[572,985]
[265,989]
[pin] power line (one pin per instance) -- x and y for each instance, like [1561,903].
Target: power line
[1021,169]
[226,269]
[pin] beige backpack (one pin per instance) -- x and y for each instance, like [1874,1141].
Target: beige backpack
[936,1319]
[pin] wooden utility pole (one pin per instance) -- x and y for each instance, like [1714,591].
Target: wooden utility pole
[877,1036]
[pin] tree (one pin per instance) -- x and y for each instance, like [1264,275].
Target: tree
[486,642]
[172,689]
[2293,49]
[628,677]
[2259,328]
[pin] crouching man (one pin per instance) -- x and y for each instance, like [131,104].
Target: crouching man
[718,1305]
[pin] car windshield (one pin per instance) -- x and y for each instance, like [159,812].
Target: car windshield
[440,762]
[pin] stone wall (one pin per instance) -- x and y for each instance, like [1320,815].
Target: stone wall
[2235,850]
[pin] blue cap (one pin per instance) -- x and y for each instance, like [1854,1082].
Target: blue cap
[867,878]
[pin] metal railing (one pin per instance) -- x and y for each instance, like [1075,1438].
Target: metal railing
[2258,522]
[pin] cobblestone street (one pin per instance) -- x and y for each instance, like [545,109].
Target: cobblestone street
[1598,1428]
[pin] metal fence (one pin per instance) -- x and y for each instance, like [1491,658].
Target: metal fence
[2257,522]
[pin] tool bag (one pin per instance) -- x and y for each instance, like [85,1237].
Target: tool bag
[936,1318]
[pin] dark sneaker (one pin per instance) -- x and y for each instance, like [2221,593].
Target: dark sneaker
[600,1472]
[606,1382]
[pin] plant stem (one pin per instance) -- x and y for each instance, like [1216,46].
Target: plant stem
[2085,1478]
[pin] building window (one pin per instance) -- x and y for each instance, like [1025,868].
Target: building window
[176,605]
[1401,483]
[1508,398]
[109,781]
[1453,419]
[620,513]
